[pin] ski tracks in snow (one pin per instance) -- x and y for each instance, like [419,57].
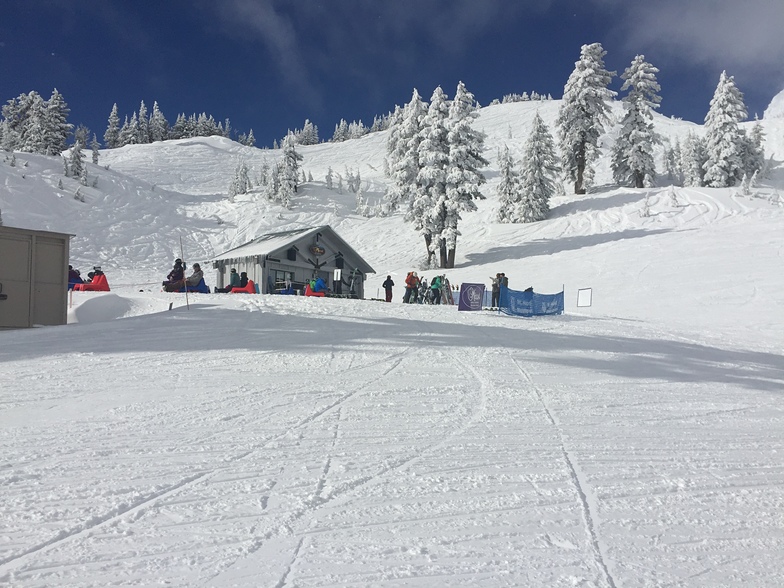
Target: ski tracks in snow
[588,501]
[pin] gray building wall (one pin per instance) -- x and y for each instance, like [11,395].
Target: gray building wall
[34,277]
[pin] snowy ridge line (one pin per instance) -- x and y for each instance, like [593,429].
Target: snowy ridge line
[134,508]
[587,499]
[339,492]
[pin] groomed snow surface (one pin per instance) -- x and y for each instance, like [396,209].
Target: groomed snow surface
[282,441]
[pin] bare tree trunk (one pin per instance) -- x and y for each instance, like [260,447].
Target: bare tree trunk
[428,240]
[638,180]
[442,251]
[580,158]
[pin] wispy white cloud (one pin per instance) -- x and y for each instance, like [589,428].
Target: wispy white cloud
[739,36]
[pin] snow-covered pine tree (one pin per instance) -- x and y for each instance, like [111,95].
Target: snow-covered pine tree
[723,138]
[463,177]
[240,183]
[111,138]
[76,161]
[508,188]
[143,136]
[427,208]
[81,134]
[538,175]
[57,126]
[95,146]
[159,126]
[753,152]
[693,158]
[341,131]
[403,152]
[329,177]
[583,114]
[289,171]
[34,136]
[83,176]
[632,157]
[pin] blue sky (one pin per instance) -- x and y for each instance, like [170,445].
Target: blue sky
[270,64]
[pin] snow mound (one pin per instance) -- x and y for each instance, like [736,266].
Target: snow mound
[95,307]
[776,107]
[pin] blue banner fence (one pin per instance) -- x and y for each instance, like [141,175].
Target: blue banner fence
[530,303]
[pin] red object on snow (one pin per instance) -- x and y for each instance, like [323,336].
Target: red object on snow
[99,284]
[250,288]
[310,292]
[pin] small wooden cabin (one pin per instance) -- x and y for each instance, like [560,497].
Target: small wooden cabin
[33,277]
[276,260]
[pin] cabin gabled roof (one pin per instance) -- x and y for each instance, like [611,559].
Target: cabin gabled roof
[274,244]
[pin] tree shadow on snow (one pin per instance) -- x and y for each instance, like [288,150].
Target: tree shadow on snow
[550,246]
[178,333]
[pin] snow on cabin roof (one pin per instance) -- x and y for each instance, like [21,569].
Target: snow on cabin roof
[273,242]
[266,244]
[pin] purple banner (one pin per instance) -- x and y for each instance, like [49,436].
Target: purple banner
[471,296]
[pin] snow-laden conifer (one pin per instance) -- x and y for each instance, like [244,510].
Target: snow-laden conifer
[143,130]
[57,126]
[111,137]
[463,175]
[427,209]
[288,175]
[693,158]
[159,126]
[632,156]
[95,146]
[76,160]
[538,175]
[403,153]
[508,188]
[583,114]
[723,138]
[752,150]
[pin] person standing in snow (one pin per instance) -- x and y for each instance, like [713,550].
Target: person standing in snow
[495,287]
[435,288]
[388,283]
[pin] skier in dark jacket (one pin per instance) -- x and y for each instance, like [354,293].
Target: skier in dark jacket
[435,288]
[388,283]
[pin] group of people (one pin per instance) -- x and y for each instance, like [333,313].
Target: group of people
[75,276]
[176,280]
[417,289]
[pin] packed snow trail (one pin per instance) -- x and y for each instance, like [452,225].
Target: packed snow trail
[351,443]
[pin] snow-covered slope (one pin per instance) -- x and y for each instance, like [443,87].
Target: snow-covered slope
[282,441]
[148,197]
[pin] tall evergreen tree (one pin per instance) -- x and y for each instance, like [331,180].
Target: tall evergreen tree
[403,152]
[537,180]
[693,158]
[77,160]
[723,139]
[159,126]
[753,152]
[632,157]
[463,177]
[508,188]
[36,135]
[57,126]
[583,114]
[111,138]
[95,146]
[289,171]
[427,210]
[143,133]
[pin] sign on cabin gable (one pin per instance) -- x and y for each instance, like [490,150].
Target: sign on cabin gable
[317,250]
